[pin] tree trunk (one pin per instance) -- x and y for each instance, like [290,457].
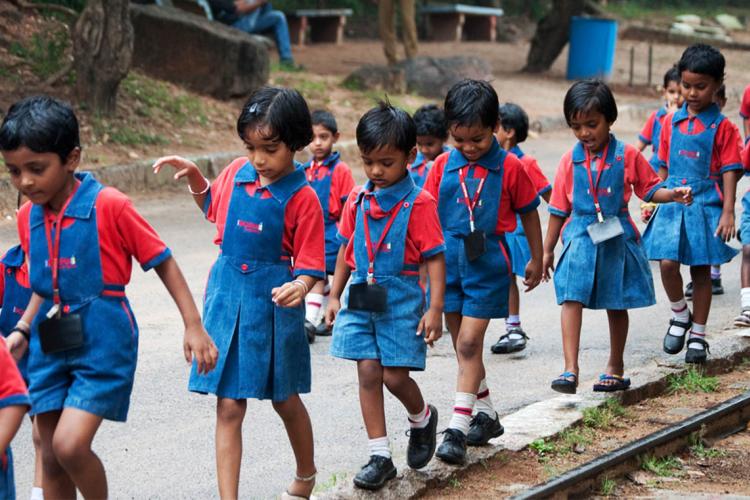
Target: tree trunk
[552,34]
[103,50]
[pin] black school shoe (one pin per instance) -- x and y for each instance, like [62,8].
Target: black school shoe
[716,287]
[453,448]
[323,330]
[422,442]
[697,356]
[483,428]
[674,343]
[507,345]
[310,332]
[376,473]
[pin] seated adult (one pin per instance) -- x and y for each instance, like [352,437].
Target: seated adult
[256,16]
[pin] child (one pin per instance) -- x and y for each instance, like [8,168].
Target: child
[389,228]
[513,129]
[80,237]
[270,231]
[652,128]
[432,133]
[332,181]
[479,188]
[602,264]
[14,403]
[743,320]
[698,148]
[745,113]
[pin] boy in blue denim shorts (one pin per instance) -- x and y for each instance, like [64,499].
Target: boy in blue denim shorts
[388,228]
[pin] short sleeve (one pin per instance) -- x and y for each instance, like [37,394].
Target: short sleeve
[12,388]
[640,174]
[23,226]
[728,144]
[646,135]
[664,139]
[304,217]
[560,202]
[342,183]
[745,105]
[745,157]
[348,218]
[520,189]
[540,181]
[435,175]
[138,237]
[424,226]
[219,189]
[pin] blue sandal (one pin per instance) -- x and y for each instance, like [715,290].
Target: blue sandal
[611,383]
[564,384]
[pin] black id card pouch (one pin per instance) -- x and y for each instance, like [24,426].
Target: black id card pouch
[600,232]
[475,244]
[61,333]
[367,297]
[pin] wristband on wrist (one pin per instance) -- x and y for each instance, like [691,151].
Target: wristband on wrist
[204,191]
[25,333]
[305,288]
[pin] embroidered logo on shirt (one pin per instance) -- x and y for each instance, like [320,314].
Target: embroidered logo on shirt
[250,227]
[693,155]
[64,262]
[18,310]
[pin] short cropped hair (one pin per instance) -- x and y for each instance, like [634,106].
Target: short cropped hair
[326,120]
[386,125]
[587,96]
[672,75]
[703,59]
[43,124]
[721,93]
[430,120]
[513,117]
[282,112]
[471,102]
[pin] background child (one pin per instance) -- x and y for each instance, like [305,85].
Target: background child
[14,403]
[80,238]
[270,230]
[389,228]
[698,149]
[332,181]
[432,134]
[513,130]
[745,112]
[743,234]
[479,188]
[592,188]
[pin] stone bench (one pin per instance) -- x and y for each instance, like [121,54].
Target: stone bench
[456,22]
[326,25]
[199,7]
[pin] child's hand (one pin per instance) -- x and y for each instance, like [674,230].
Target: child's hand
[184,168]
[334,306]
[199,346]
[683,195]
[647,210]
[725,230]
[17,344]
[548,264]
[289,294]
[533,274]
[431,324]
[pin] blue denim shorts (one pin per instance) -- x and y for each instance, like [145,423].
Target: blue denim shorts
[390,337]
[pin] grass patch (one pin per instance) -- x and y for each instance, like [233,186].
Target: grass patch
[542,447]
[154,99]
[692,380]
[604,415]
[106,132]
[574,437]
[332,481]
[454,483]
[667,466]
[44,52]
[607,487]
[641,10]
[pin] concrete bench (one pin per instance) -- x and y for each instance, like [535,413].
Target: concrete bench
[326,25]
[456,22]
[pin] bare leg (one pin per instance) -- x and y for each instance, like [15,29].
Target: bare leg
[38,474]
[514,299]
[299,429]
[618,334]
[570,319]
[745,271]
[57,483]
[469,346]
[229,416]
[401,385]
[71,444]
[672,280]
[701,276]
[370,373]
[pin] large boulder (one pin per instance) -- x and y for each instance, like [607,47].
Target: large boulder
[205,56]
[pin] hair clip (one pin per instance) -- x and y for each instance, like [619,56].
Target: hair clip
[253,108]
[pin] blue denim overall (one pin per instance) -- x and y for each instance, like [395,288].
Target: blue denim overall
[614,274]
[15,299]
[479,288]
[419,169]
[98,376]
[322,187]
[655,138]
[667,235]
[263,350]
[389,336]
[744,226]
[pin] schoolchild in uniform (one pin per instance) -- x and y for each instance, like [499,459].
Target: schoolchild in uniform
[432,134]
[332,181]
[14,403]
[602,264]
[272,251]
[698,148]
[479,188]
[745,113]
[389,227]
[80,238]
[513,129]
[743,319]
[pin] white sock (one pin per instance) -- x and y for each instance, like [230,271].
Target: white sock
[461,418]
[745,297]
[715,272]
[323,305]
[379,446]
[513,321]
[698,331]
[36,493]
[484,402]
[421,419]
[313,303]
[680,312]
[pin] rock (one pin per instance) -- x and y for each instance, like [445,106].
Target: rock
[639,477]
[682,29]
[694,474]
[729,22]
[579,448]
[689,19]
[377,77]
[202,55]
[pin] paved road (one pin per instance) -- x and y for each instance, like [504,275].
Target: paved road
[166,448]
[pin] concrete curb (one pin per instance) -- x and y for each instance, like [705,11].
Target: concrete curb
[548,418]
[552,123]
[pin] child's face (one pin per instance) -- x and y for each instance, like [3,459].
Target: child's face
[42,178]
[430,146]
[698,90]
[386,165]
[322,143]
[506,137]
[271,158]
[474,141]
[672,94]
[592,129]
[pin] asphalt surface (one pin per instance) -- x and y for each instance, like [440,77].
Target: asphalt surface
[165,450]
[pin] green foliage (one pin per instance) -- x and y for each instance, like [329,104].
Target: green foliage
[692,380]
[154,99]
[608,486]
[125,135]
[454,482]
[644,9]
[603,415]
[44,53]
[572,437]
[543,447]
[667,466]
[333,479]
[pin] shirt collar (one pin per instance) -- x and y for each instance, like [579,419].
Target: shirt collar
[84,198]
[491,160]
[418,160]
[579,152]
[389,197]
[281,189]
[13,257]
[706,117]
[517,151]
[330,160]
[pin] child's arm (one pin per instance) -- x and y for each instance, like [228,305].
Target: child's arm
[640,145]
[546,196]
[533,229]
[10,421]
[340,277]
[726,229]
[196,343]
[292,293]
[554,226]
[16,341]
[199,185]
[432,321]
[682,195]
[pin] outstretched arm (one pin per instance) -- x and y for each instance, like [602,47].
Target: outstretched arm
[199,185]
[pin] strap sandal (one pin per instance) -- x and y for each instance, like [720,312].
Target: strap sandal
[611,383]
[697,356]
[673,344]
[507,344]
[288,496]
[564,384]
[743,319]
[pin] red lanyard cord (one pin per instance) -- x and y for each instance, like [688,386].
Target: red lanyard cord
[53,249]
[373,252]
[470,203]
[595,185]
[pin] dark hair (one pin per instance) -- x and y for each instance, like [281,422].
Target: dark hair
[326,119]
[43,124]
[587,96]
[282,112]
[385,125]
[672,75]
[703,59]
[513,117]
[721,93]
[471,102]
[430,120]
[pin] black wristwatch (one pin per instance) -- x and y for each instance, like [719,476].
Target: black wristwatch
[26,335]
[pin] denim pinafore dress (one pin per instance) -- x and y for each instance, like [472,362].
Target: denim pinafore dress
[263,350]
[655,138]
[518,245]
[681,233]
[15,299]
[322,186]
[614,274]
